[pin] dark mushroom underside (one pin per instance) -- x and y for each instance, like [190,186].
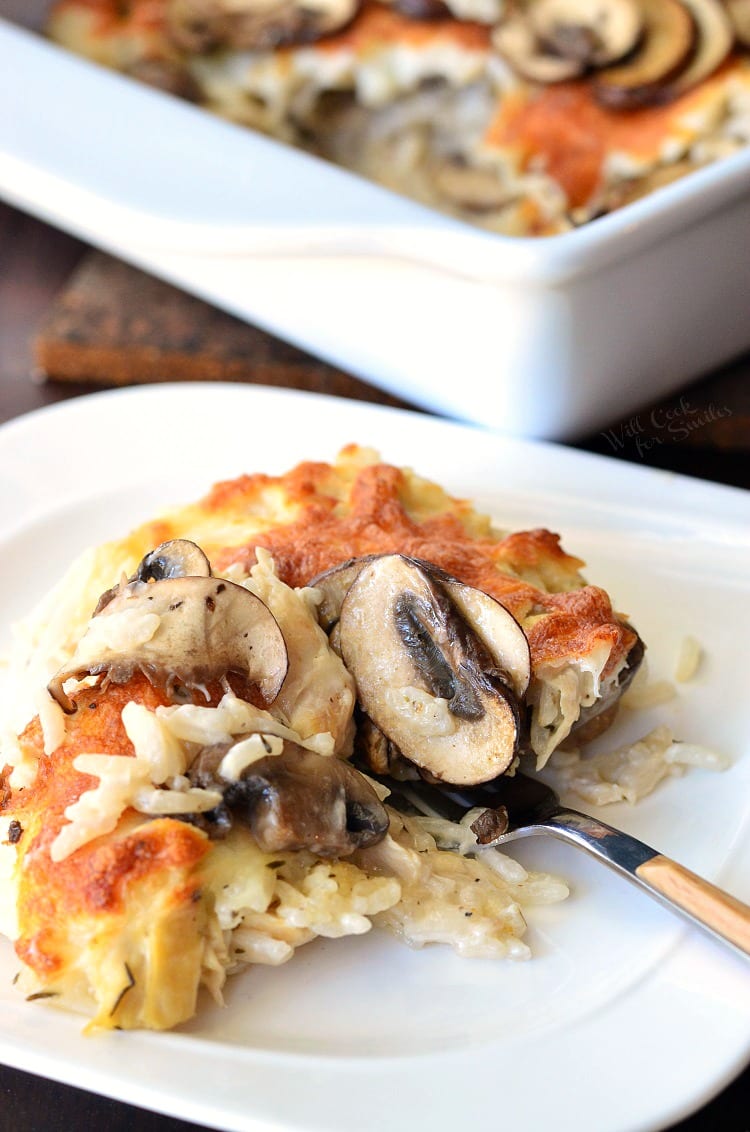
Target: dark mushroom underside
[292,801]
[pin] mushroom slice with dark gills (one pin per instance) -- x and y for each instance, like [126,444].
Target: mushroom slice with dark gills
[178,558]
[592,32]
[497,628]
[550,41]
[515,40]
[293,800]
[181,632]
[668,40]
[425,677]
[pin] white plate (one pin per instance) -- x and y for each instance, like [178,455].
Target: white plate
[534,337]
[625,1019]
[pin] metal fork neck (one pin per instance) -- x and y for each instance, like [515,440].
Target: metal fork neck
[616,849]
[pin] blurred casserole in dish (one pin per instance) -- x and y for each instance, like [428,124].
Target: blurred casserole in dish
[526,119]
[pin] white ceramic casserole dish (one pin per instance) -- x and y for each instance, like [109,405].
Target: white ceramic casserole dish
[548,337]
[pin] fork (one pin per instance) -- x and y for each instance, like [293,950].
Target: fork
[520,806]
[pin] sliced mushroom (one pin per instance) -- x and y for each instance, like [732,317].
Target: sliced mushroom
[591,32]
[424,677]
[177,558]
[518,44]
[334,585]
[199,26]
[715,38]
[473,188]
[295,800]
[180,632]
[669,37]
[376,752]
[739,14]
[499,631]
[496,627]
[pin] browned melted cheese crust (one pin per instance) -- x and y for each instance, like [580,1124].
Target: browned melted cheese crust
[333,517]
[563,129]
[96,893]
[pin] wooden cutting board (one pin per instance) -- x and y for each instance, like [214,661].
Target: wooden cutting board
[115,325]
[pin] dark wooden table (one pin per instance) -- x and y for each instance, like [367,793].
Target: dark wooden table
[35,262]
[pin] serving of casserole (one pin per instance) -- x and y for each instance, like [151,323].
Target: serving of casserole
[182,802]
[344,1010]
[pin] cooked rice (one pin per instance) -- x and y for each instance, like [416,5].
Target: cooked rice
[472,903]
[630,772]
[688,659]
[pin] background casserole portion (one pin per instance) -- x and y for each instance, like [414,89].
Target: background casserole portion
[422,101]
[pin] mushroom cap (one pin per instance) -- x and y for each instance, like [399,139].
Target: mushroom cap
[296,800]
[643,52]
[669,38]
[177,558]
[333,585]
[498,630]
[180,631]
[714,41]
[518,44]
[593,32]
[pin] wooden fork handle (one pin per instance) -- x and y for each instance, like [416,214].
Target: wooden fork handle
[725,917]
[702,901]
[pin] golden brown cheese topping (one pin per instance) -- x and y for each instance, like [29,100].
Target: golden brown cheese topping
[84,902]
[567,132]
[333,516]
